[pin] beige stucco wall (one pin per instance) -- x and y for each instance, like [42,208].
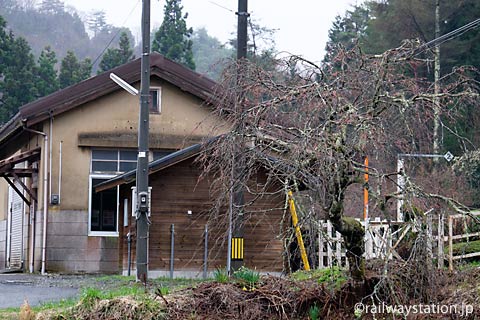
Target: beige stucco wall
[182,115]
[69,248]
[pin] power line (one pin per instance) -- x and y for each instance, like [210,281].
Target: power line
[219,5]
[447,37]
[116,34]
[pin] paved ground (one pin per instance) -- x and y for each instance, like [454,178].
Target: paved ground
[37,289]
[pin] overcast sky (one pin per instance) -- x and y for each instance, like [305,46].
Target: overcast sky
[302,24]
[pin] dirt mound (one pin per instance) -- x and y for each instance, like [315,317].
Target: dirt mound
[273,298]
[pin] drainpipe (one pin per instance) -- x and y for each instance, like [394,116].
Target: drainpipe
[45,194]
[50,149]
[32,236]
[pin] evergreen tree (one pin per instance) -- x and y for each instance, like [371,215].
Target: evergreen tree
[347,30]
[114,57]
[172,39]
[52,6]
[17,70]
[208,53]
[125,49]
[47,80]
[97,22]
[260,46]
[73,71]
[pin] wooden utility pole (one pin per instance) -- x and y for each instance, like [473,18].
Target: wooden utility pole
[142,160]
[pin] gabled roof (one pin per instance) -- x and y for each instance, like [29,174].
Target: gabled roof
[100,85]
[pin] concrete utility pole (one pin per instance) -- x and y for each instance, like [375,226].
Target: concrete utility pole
[236,232]
[242,29]
[142,161]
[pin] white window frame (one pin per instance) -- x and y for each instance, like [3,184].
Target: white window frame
[117,160]
[100,233]
[159,100]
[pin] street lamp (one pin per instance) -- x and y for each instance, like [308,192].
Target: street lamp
[122,83]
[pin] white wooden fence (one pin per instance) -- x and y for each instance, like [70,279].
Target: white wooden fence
[382,239]
[378,241]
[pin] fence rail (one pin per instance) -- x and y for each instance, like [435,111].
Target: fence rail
[378,243]
[451,237]
[383,237]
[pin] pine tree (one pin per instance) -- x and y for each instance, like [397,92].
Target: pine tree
[114,57]
[97,22]
[47,80]
[172,39]
[73,71]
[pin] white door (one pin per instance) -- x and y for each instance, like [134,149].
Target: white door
[15,229]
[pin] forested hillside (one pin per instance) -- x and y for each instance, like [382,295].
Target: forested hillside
[46,46]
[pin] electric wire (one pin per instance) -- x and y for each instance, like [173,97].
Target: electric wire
[116,34]
[219,5]
[447,37]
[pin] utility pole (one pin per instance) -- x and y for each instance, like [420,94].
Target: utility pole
[436,67]
[242,29]
[236,227]
[142,161]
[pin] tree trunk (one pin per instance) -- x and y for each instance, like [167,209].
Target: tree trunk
[353,235]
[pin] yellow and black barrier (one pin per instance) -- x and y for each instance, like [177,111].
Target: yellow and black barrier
[237,248]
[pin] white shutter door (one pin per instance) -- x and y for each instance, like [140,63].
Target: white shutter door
[16,228]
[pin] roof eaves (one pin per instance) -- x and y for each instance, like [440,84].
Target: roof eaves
[154,166]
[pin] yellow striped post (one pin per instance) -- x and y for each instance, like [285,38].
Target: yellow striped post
[298,233]
[237,249]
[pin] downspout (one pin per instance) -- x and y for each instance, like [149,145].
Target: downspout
[50,149]
[45,194]
[32,235]
[60,173]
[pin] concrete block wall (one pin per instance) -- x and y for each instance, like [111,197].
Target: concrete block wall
[71,250]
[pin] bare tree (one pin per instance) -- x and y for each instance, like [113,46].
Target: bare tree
[311,128]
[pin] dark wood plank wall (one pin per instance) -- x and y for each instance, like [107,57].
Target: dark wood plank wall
[175,191]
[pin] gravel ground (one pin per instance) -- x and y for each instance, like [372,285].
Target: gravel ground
[38,289]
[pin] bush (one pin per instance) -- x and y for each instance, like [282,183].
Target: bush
[247,278]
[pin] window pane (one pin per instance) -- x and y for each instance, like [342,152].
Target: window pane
[127,166]
[162,153]
[104,154]
[103,209]
[109,210]
[128,155]
[154,101]
[104,166]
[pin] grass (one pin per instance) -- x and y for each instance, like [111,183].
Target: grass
[248,279]
[314,312]
[221,275]
[107,288]
[465,247]
[333,277]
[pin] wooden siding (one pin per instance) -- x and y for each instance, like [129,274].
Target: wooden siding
[175,191]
